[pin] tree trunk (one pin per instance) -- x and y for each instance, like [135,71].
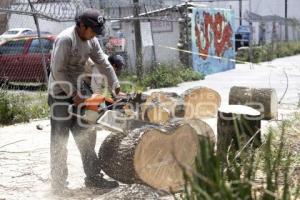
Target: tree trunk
[151,155]
[201,103]
[157,114]
[236,125]
[261,99]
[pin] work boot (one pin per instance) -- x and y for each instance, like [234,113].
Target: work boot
[99,182]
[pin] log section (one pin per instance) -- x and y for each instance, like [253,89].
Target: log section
[151,155]
[201,103]
[161,107]
[261,99]
[236,125]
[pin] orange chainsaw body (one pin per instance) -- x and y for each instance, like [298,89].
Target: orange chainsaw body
[95,100]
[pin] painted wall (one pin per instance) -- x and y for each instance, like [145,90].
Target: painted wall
[213,40]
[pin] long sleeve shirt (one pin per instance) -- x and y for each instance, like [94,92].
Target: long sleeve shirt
[68,58]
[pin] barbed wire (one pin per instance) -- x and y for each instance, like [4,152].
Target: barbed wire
[57,10]
[66,10]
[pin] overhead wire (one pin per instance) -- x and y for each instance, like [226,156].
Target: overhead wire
[60,15]
[235,60]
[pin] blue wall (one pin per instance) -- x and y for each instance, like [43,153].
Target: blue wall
[213,40]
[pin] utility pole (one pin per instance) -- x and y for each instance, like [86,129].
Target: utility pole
[251,34]
[138,40]
[240,11]
[36,21]
[153,46]
[286,20]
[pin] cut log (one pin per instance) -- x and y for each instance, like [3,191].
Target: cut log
[236,125]
[201,103]
[150,155]
[203,129]
[157,114]
[161,107]
[132,106]
[262,99]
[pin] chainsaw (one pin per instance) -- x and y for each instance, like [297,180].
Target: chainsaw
[104,112]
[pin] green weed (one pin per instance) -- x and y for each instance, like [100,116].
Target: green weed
[22,107]
[262,173]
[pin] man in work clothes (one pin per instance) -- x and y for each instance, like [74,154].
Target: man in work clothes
[71,50]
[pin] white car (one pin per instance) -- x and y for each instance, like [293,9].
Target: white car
[15,32]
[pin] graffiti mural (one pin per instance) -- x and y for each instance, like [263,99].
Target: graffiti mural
[212,40]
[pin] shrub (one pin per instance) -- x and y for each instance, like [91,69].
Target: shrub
[282,50]
[5,108]
[188,74]
[296,48]
[130,83]
[162,76]
[268,52]
[242,54]
[257,54]
[22,107]
[166,76]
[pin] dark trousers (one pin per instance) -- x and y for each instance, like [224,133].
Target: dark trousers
[84,136]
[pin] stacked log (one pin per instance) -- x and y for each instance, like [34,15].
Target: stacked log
[261,99]
[195,103]
[161,107]
[156,153]
[152,155]
[201,103]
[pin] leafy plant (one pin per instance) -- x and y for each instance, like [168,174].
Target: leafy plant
[166,76]
[271,163]
[268,52]
[242,54]
[130,83]
[22,107]
[5,108]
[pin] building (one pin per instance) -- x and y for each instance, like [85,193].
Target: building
[164,33]
[168,38]
[167,29]
[54,16]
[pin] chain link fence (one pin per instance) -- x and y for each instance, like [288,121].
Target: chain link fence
[165,32]
[29,28]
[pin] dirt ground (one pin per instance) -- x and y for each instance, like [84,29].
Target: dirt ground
[24,150]
[24,168]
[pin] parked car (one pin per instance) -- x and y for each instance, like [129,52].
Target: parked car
[42,33]
[15,32]
[21,59]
